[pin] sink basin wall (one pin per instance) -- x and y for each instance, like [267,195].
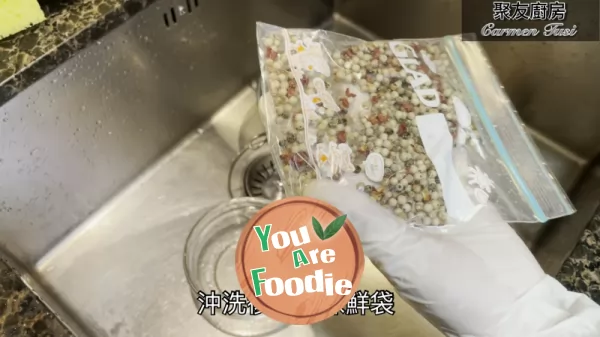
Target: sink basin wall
[80,134]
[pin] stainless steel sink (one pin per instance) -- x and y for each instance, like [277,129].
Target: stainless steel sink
[122,150]
[108,161]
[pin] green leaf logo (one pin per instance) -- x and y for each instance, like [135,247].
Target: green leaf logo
[331,229]
[318,229]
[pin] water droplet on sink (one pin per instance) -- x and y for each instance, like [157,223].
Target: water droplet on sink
[99,122]
[34,152]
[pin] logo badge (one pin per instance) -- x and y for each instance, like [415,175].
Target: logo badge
[299,260]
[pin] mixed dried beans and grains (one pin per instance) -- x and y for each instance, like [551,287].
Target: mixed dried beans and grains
[411,187]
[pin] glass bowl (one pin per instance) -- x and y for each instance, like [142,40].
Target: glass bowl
[209,264]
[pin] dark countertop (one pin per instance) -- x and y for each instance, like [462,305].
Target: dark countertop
[22,314]
[64,19]
[581,270]
[70,26]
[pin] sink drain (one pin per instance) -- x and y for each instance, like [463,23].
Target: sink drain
[253,173]
[261,179]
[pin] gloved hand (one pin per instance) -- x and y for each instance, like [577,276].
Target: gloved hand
[478,279]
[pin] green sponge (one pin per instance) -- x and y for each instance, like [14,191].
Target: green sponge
[16,15]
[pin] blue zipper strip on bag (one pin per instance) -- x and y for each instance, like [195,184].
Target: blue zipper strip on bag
[495,137]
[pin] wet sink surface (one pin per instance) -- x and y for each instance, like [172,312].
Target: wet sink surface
[117,270]
[122,269]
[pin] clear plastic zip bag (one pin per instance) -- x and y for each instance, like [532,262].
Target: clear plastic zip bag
[422,126]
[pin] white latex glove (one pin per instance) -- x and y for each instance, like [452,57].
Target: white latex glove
[478,279]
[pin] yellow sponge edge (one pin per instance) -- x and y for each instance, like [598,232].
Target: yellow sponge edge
[16,15]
